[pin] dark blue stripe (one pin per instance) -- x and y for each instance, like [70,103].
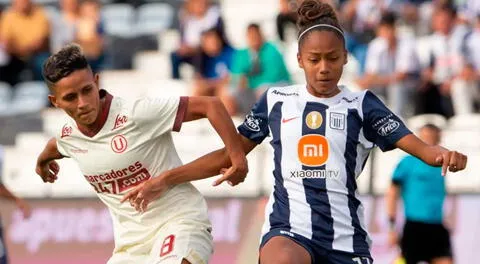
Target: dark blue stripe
[280,216]
[316,189]
[354,125]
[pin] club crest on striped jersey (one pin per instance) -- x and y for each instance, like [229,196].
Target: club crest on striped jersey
[337,121]
[313,150]
[314,120]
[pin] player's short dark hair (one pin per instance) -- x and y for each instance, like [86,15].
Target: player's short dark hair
[388,19]
[431,126]
[254,26]
[315,12]
[61,64]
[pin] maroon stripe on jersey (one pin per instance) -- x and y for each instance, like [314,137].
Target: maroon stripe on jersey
[101,119]
[182,110]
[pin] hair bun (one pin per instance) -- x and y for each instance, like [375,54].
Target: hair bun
[313,10]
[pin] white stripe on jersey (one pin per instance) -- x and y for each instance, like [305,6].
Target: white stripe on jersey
[336,190]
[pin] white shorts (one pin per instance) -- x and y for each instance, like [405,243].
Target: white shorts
[175,241]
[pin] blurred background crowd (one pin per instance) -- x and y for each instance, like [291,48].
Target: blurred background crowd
[419,56]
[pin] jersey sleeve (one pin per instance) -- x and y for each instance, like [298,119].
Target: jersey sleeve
[61,149]
[381,126]
[157,116]
[255,126]
[401,172]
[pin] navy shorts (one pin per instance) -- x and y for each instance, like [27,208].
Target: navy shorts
[318,254]
[3,249]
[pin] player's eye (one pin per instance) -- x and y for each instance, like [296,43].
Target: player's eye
[69,97]
[313,60]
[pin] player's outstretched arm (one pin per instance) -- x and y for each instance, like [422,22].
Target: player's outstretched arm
[206,166]
[46,167]
[213,109]
[433,155]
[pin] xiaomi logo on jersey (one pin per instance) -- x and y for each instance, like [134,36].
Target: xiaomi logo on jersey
[313,150]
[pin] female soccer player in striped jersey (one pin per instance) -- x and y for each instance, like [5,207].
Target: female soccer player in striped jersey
[322,134]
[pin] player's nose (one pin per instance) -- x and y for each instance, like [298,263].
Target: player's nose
[82,102]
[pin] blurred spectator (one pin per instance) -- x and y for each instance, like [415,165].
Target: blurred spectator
[212,67]
[286,17]
[471,73]
[196,17]
[468,10]
[360,18]
[446,61]
[65,26]
[24,32]
[392,66]
[257,68]
[89,33]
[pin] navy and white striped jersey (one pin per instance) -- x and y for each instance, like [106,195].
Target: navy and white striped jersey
[320,147]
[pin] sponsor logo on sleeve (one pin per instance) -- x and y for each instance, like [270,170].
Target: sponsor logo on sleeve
[252,123]
[388,128]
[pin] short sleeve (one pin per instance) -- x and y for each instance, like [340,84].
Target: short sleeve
[157,116]
[255,126]
[401,171]
[60,148]
[381,126]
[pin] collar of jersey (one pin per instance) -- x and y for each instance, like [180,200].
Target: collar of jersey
[328,101]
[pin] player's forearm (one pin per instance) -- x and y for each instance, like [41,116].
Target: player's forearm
[49,153]
[5,193]
[201,168]
[416,147]
[221,121]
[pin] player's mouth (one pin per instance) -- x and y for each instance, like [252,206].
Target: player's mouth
[84,114]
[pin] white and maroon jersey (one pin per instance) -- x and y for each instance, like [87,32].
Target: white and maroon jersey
[134,145]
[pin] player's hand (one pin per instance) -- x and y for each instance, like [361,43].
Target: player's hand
[235,174]
[392,238]
[146,192]
[452,161]
[24,207]
[48,171]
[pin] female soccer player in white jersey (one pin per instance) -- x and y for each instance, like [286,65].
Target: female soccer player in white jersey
[119,144]
[321,136]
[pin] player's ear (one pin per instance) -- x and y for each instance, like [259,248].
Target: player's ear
[96,78]
[345,59]
[53,100]
[299,59]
